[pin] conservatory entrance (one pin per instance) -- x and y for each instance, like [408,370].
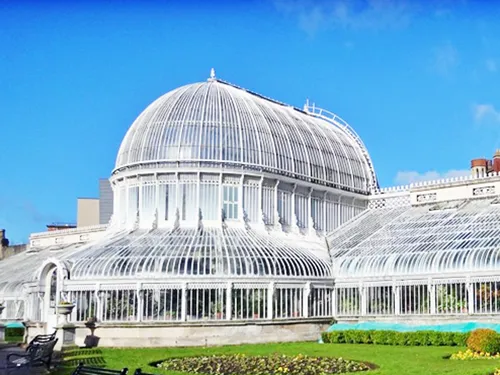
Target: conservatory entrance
[49,313]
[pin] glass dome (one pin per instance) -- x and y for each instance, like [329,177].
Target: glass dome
[218,124]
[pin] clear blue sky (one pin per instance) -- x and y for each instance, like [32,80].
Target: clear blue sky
[418,82]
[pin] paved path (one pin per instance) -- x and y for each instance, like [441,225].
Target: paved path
[6,349]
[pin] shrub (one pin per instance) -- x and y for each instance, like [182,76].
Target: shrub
[418,338]
[14,331]
[436,338]
[484,340]
[459,338]
[256,365]
[492,346]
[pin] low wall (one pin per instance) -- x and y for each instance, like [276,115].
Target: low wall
[197,334]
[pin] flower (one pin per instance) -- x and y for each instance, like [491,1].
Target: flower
[276,364]
[470,355]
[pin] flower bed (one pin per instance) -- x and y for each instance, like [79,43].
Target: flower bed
[417,338]
[470,354]
[241,364]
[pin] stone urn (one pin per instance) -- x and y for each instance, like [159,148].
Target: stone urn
[91,322]
[64,310]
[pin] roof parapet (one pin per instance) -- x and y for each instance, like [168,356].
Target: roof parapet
[432,183]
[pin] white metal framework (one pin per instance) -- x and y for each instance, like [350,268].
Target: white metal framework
[438,258]
[197,253]
[215,123]
[222,198]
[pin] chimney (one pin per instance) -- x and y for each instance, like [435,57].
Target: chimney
[479,167]
[496,161]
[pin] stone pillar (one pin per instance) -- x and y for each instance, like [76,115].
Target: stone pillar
[66,334]
[271,289]
[229,300]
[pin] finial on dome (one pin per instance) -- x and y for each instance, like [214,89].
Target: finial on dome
[212,73]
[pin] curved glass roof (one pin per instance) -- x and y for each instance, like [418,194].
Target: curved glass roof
[449,237]
[20,269]
[217,123]
[196,253]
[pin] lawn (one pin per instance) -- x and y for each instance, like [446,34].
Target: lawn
[392,360]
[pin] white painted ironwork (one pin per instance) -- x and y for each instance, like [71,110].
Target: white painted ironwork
[214,123]
[450,237]
[338,121]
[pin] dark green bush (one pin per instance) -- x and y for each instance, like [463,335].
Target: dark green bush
[381,337]
[14,332]
[461,338]
[492,346]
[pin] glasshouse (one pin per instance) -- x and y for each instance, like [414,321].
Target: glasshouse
[423,259]
[222,199]
[230,207]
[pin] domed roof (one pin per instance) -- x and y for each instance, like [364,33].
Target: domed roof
[216,123]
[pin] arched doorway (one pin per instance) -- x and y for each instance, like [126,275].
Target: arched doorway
[50,289]
[50,299]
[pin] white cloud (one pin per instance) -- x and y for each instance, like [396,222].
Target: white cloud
[486,112]
[314,15]
[491,65]
[408,177]
[445,59]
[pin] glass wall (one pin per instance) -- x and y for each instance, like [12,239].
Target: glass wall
[187,197]
[199,302]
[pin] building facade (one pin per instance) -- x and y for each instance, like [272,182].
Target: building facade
[221,201]
[233,211]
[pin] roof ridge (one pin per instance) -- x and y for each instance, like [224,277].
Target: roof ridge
[259,95]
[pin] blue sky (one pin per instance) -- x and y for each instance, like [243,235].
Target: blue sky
[418,82]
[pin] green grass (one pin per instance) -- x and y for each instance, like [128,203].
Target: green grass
[391,360]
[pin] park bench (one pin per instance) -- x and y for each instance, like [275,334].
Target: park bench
[86,370]
[42,338]
[37,353]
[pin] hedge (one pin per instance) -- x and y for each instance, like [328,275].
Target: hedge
[14,332]
[417,338]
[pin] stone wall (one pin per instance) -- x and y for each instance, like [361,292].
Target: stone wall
[190,334]
[8,251]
